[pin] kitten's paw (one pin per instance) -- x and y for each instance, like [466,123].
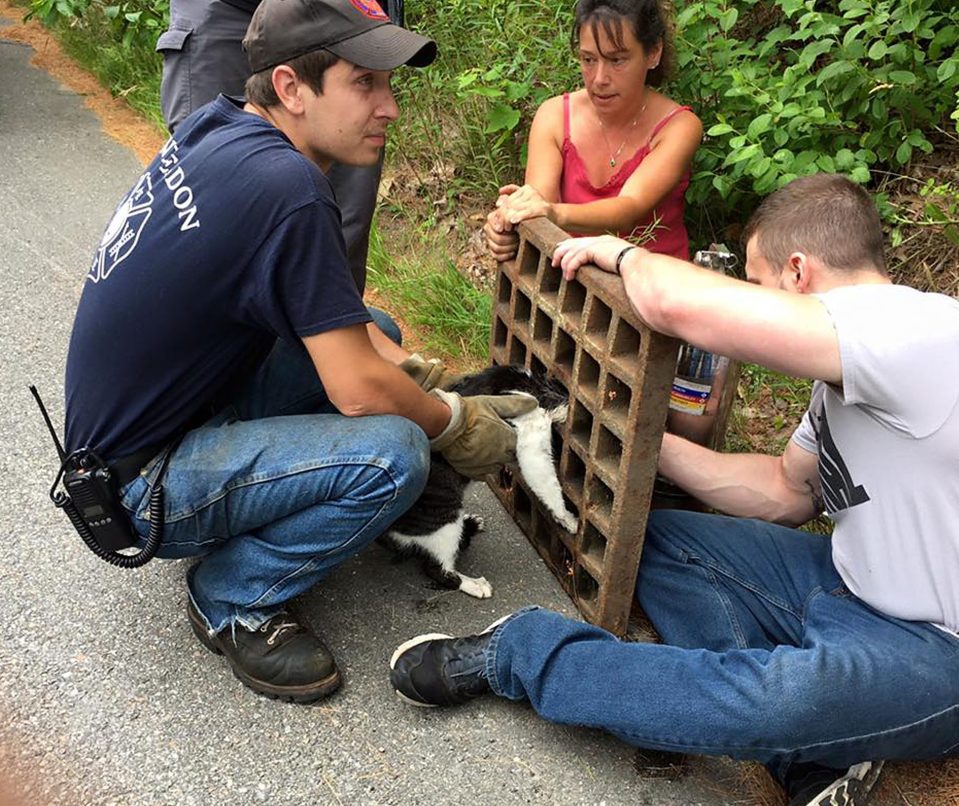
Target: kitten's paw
[569,522]
[476,522]
[476,586]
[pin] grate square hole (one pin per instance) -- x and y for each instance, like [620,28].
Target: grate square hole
[542,326]
[575,475]
[557,443]
[505,289]
[617,398]
[529,261]
[609,451]
[582,426]
[524,308]
[588,380]
[594,543]
[598,321]
[551,280]
[565,351]
[599,498]
[563,559]
[536,366]
[541,535]
[524,508]
[626,341]
[574,300]
[499,333]
[584,586]
[517,352]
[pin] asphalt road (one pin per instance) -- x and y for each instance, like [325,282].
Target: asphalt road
[106,696]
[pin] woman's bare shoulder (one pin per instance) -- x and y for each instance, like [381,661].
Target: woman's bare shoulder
[548,122]
[551,110]
[579,103]
[676,120]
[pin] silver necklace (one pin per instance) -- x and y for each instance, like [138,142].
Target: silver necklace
[613,157]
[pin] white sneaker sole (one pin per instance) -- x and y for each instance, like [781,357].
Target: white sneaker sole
[853,787]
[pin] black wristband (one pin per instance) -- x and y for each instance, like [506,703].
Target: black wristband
[620,256]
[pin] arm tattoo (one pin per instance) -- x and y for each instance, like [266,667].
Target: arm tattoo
[816,497]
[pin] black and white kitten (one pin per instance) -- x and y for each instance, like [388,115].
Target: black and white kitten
[436,528]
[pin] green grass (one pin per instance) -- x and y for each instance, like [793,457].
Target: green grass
[452,316]
[131,73]
[769,406]
[471,109]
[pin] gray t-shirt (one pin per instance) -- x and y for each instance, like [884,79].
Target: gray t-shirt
[888,446]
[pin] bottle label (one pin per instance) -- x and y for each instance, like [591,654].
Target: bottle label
[689,397]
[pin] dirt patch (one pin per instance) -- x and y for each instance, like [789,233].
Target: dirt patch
[411,340]
[928,256]
[118,120]
[424,196]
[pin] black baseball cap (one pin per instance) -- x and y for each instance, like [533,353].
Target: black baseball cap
[358,31]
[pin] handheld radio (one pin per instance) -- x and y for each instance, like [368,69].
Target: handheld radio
[92,503]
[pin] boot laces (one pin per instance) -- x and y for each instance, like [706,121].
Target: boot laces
[279,626]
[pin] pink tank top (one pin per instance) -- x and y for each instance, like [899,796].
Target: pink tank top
[669,237]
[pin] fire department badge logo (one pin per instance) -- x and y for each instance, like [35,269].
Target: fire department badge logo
[124,230]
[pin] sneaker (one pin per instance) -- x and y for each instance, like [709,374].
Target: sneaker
[821,786]
[281,659]
[437,669]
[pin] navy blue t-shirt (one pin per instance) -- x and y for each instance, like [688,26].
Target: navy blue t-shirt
[231,239]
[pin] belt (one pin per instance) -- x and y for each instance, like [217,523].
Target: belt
[127,468]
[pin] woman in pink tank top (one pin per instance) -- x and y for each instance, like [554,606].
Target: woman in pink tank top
[613,156]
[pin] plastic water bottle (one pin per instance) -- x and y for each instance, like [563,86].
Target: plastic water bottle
[700,375]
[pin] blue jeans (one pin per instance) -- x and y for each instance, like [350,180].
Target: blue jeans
[278,489]
[767,656]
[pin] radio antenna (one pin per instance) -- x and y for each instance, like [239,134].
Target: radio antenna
[46,417]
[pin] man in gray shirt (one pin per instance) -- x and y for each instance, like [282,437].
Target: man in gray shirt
[814,655]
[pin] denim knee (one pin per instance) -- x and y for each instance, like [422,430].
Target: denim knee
[386,323]
[406,449]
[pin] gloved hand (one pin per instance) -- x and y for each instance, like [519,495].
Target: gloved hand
[477,440]
[429,374]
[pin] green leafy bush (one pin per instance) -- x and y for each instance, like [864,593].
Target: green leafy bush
[796,87]
[131,24]
[497,62]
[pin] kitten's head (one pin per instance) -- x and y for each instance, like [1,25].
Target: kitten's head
[514,378]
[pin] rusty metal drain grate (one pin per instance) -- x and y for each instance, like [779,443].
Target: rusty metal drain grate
[618,374]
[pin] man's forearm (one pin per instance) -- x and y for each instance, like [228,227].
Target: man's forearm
[385,389]
[385,346]
[744,485]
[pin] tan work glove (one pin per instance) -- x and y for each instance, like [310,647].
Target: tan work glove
[429,374]
[477,440]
